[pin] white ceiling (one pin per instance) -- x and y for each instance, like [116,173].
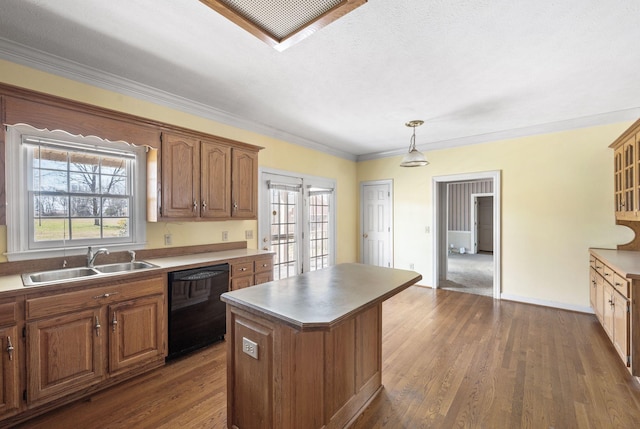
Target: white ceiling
[474,70]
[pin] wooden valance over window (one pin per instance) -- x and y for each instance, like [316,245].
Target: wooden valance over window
[51,113]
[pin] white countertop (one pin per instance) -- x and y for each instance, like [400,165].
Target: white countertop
[14,282]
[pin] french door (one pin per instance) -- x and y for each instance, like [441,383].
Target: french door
[297,222]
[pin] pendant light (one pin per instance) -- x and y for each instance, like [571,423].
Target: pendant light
[414,158]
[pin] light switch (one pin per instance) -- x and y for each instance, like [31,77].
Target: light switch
[250,347]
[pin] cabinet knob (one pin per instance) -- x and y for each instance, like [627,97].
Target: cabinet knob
[204,206]
[97,327]
[235,205]
[243,269]
[114,322]
[9,348]
[195,205]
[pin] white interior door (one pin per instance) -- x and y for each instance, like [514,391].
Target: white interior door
[376,223]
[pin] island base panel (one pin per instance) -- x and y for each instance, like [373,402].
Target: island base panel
[311,379]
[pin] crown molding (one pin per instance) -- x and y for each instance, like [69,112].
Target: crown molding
[551,127]
[52,64]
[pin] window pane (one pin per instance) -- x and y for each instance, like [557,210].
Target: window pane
[115,227]
[49,158]
[115,207]
[84,183]
[84,162]
[85,206]
[50,229]
[49,206]
[82,228]
[114,185]
[49,180]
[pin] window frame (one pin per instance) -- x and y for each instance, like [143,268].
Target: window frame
[20,214]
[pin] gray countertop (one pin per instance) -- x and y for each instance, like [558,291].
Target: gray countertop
[324,298]
[626,262]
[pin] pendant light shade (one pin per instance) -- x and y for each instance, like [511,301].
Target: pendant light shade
[414,158]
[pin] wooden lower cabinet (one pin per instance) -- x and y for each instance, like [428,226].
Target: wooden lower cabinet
[611,298]
[135,332]
[9,361]
[79,339]
[64,354]
[252,272]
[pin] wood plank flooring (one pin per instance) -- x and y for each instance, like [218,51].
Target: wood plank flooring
[450,360]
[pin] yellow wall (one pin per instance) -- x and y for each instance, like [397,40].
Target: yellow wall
[556,194]
[557,201]
[276,154]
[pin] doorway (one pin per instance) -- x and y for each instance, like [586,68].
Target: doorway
[376,235]
[466,236]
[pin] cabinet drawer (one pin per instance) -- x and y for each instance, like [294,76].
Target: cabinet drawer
[621,284]
[242,269]
[90,298]
[599,266]
[264,265]
[8,313]
[607,273]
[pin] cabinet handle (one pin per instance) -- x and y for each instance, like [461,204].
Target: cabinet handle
[9,348]
[607,274]
[235,205]
[97,327]
[195,205]
[265,265]
[105,295]
[204,206]
[114,322]
[243,269]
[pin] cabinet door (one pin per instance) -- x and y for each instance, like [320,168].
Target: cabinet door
[215,186]
[244,184]
[136,332]
[180,180]
[600,298]
[241,282]
[9,382]
[629,180]
[64,354]
[621,326]
[607,314]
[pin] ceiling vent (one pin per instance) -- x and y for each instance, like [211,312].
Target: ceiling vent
[282,23]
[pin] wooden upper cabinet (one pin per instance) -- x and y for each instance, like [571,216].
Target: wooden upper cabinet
[244,182]
[215,180]
[180,176]
[626,174]
[207,179]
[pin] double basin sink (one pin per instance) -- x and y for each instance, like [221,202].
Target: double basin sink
[68,274]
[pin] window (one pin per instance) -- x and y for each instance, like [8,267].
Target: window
[71,192]
[297,222]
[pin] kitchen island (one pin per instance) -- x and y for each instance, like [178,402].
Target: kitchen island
[305,351]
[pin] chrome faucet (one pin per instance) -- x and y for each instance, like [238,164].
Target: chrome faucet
[91,257]
[132,253]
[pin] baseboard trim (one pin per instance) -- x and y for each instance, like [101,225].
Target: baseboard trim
[545,303]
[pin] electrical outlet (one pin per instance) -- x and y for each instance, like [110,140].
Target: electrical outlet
[411,266]
[225,235]
[168,240]
[248,234]
[250,347]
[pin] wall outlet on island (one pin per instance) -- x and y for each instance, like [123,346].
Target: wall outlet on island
[168,240]
[225,235]
[411,266]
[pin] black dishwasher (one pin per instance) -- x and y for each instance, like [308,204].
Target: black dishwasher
[197,317]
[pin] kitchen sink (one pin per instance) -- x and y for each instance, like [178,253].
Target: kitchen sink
[124,266]
[70,274]
[57,275]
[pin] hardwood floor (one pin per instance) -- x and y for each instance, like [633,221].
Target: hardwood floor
[449,360]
